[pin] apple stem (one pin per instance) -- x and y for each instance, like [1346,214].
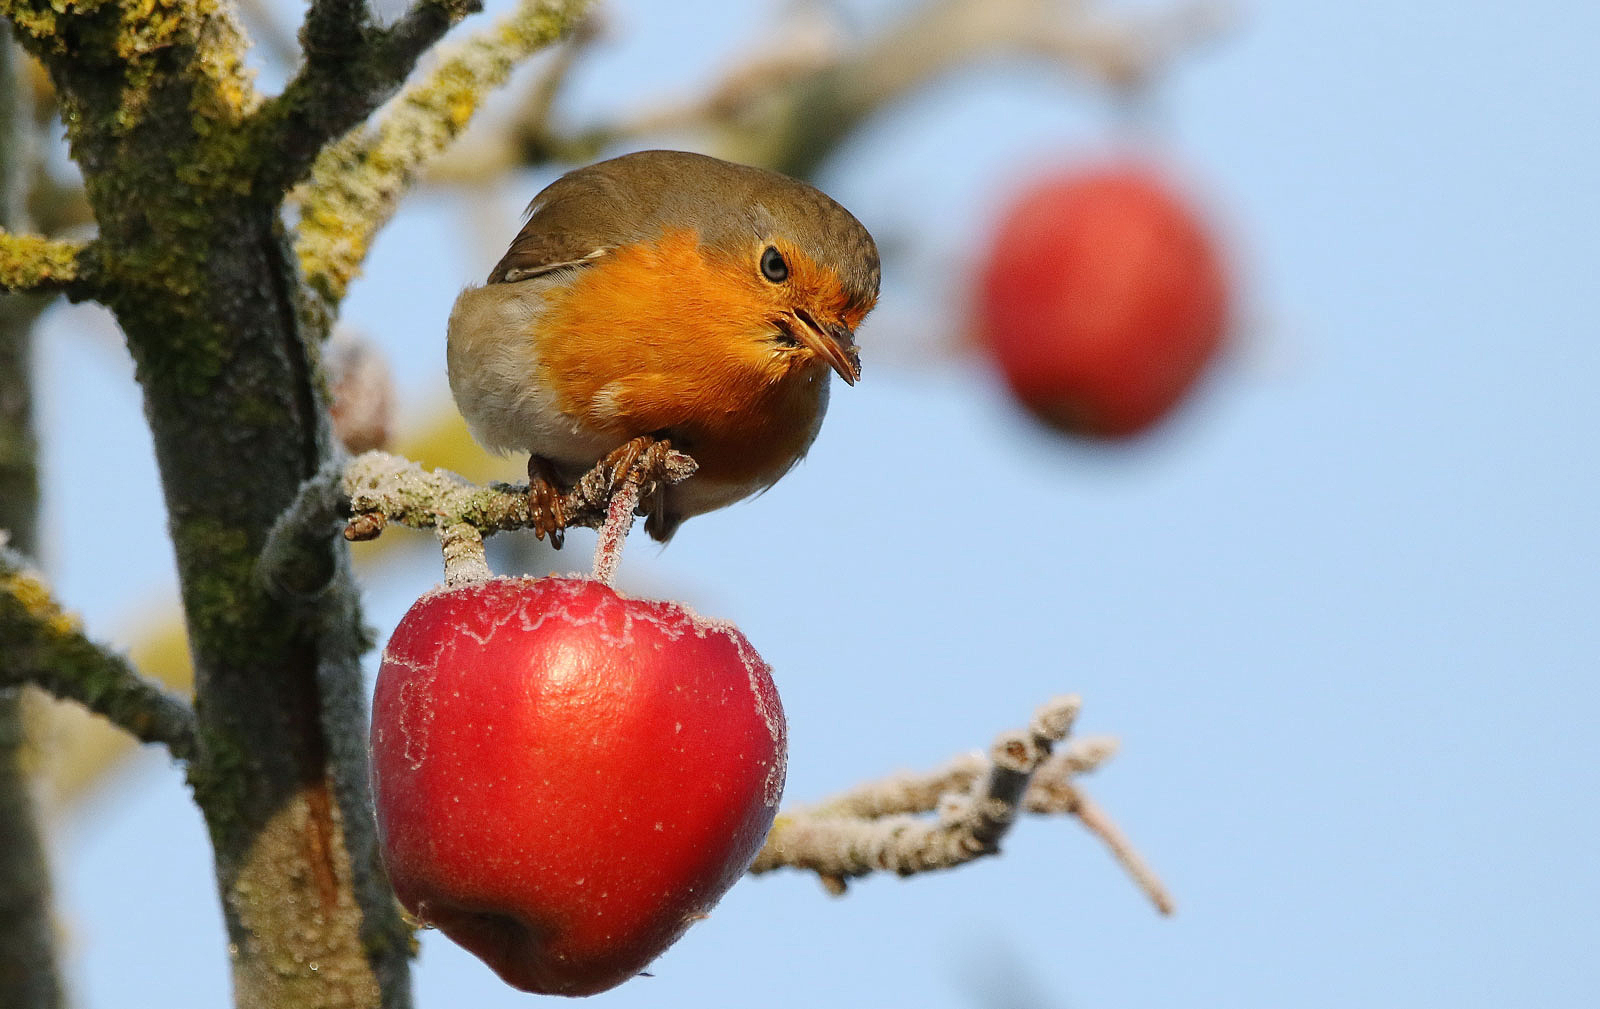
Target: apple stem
[464,559]
[614,531]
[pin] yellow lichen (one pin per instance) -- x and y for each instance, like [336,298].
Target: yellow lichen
[32,261]
[31,593]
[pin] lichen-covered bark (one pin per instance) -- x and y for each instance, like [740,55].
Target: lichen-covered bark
[29,978]
[30,262]
[192,259]
[44,645]
[28,975]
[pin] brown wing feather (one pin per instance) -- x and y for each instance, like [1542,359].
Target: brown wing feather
[572,222]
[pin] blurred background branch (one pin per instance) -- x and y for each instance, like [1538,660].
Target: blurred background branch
[793,101]
[45,647]
[357,183]
[29,973]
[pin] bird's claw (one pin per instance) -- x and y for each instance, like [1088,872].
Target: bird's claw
[641,462]
[546,504]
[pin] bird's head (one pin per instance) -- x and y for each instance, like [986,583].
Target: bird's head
[767,269]
[807,267]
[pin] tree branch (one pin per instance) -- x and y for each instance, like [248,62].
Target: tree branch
[162,121]
[909,793]
[527,137]
[30,976]
[333,34]
[43,645]
[1066,797]
[357,182]
[793,103]
[351,68]
[878,827]
[36,263]
[363,495]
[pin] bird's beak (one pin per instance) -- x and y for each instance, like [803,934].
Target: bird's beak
[834,343]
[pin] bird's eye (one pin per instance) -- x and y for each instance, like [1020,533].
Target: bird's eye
[773,266]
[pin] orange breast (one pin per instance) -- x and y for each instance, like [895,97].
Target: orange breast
[671,337]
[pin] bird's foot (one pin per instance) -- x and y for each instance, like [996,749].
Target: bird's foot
[653,461]
[632,459]
[545,502]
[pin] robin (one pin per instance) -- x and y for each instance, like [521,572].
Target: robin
[664,299]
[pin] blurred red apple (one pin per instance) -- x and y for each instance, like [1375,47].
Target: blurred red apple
[1102,300]
[566,779]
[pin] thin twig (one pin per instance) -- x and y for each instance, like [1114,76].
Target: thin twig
[43,645]
[1099,823]
[969,824]
[910,793]
[880,826]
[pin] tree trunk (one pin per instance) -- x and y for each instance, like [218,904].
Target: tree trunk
[193,261]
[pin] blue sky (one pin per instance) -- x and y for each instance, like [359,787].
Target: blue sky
[1340,612]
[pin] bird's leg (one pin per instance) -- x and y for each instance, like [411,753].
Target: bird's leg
[549,515]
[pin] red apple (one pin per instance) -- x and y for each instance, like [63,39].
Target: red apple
[565,778]
[1102,300]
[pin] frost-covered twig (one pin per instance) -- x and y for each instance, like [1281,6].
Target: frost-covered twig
[357,182]
[876,827]
[1069,798]
[614,528]
[365,494]
[910,793]
[42,644]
